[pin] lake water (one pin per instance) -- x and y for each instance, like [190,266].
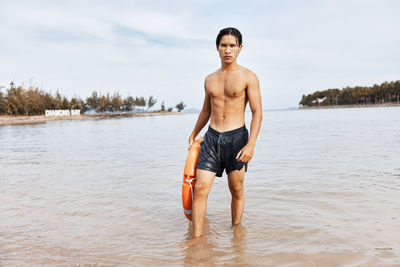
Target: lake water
[323,189]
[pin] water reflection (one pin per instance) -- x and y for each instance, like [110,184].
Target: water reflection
[238,242]
[199,251]
[206,250]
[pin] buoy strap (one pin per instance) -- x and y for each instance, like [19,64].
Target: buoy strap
[190,184]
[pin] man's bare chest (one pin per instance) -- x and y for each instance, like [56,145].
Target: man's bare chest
[226,87]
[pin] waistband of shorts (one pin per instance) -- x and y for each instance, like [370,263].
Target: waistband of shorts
[228,133]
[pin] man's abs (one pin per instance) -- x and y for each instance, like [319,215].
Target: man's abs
[227,113]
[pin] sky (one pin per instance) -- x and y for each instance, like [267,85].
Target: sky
[166,48]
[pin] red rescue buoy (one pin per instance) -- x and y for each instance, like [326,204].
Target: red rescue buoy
[189,178]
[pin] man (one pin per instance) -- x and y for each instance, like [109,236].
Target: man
[226,144]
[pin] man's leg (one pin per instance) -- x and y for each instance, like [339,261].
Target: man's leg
[235,182]
[204,180]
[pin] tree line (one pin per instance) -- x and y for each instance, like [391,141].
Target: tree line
[387,92]
[17,100]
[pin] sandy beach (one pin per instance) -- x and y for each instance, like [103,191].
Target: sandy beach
[14,120]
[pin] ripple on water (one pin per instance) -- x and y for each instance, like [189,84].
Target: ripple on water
[108,193]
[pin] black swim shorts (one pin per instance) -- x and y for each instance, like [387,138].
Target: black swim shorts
[219,150]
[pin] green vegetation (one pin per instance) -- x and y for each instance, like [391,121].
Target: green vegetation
[180,106]
[34,101]
[387,92]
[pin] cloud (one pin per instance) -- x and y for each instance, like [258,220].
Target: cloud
[150,48]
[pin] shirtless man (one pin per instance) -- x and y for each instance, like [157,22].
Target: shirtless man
[226,144]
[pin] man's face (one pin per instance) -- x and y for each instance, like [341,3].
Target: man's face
[228,49]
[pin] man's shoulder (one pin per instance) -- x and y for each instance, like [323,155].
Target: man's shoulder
[212,75]
[248,73]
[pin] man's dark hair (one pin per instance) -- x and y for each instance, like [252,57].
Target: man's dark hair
[230,31]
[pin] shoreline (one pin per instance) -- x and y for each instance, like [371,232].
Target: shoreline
[354,106]
[20,120]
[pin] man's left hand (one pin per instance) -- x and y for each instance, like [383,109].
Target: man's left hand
[246,153]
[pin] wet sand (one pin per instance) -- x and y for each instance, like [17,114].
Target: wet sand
[15,120]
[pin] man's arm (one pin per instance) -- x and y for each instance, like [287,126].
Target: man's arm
[254,97]
[203,118]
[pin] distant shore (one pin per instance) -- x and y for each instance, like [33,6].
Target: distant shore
[16,120]
[353,106]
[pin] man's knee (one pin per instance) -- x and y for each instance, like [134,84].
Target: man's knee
[201,189]
[203,183]
[237,191]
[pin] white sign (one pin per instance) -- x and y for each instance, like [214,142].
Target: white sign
[63,112]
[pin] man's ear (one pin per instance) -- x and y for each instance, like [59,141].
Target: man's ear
[240,47]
